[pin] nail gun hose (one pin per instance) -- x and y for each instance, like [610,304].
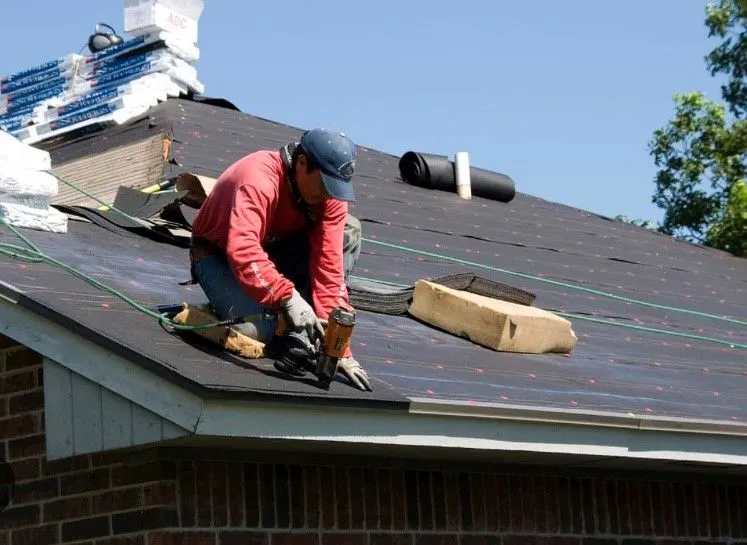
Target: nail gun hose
[31,253]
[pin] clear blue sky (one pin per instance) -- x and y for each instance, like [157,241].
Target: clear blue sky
[562,96]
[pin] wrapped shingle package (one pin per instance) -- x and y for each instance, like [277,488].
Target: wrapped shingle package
[113,85]
[26,188]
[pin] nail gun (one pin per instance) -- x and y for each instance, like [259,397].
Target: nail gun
[296,356]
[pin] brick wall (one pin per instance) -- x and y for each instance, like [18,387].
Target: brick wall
[166,497]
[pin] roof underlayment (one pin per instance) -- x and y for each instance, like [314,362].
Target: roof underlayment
[613,370]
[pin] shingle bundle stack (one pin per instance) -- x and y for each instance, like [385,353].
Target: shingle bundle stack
[26,189]
[114,85]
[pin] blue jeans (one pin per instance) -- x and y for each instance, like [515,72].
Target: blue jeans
[230,302]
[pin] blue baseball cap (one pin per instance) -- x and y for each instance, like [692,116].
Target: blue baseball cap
[335,154]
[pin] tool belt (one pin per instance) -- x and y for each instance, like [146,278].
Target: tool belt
[201,248]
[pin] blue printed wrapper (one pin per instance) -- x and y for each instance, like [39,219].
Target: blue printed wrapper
[82,115]
[17,103]
[91,99]
[29,81]
[12,126]
[58,95]
[28,72]
[126,74]
[46,84]
[26,111]
[117,49]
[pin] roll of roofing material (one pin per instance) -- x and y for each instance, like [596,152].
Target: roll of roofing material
[437,172]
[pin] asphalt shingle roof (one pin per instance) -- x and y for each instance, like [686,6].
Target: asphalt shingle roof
[612,368]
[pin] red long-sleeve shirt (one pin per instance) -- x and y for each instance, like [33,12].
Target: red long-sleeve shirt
[250,205]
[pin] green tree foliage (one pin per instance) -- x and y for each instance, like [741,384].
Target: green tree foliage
[701,153]
[726,20]
[646,224]
[731,232]
[699,160]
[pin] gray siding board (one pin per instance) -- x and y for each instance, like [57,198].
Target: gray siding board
[58,422]
[146,426]
[83,417]
[117,420]
[87,428]
[171,431]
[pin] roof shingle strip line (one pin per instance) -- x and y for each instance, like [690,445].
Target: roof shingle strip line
[554,282]
[653,330]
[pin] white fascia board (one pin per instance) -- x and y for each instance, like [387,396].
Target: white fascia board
[501,411]
[340,425]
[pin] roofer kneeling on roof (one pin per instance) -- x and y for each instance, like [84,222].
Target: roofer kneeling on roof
[274,236]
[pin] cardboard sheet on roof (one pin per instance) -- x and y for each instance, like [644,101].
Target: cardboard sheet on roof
[496,324]
[198,187]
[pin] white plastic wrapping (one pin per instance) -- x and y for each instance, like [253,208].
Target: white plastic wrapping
[48,219]
[178,16]
[14,152]
[25,190]
[32,201]
[18,181]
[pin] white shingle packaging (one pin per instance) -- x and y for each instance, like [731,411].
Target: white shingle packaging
[26,189]
[17,181]
[178,16]
[14,152]
[113,85]
[19,215]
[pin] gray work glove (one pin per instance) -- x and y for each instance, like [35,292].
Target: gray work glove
[353,371]
[301,316]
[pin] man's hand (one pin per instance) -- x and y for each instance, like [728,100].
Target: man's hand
[354,373]
[301,316]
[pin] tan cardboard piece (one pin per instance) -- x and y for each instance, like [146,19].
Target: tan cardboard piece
[493,323]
